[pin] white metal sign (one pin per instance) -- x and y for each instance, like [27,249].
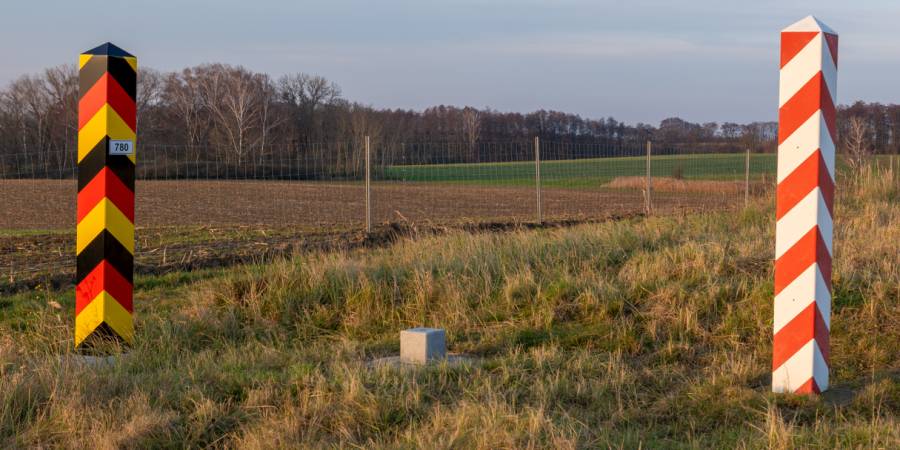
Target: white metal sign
[121,147]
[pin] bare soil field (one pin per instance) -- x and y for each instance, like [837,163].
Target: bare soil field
[187,225]
[50,204]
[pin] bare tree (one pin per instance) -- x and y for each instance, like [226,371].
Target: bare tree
[234,97]
[305,95]
[268,121]
[320,91]
[36,105]
[149,95]
[31,105]
[471,129]
[183,94]
[61,85]
[362,122]
[15,127]
[856,143]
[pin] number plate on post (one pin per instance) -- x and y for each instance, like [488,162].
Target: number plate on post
[121,147]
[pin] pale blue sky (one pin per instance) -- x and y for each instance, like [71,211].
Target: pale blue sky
[639,60]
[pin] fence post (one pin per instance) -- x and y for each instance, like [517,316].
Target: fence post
[537,178]
[368,186]
[747,180]
[104,241]
[648,204]
[803,205]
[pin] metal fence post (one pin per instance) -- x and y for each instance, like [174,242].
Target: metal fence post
[368,186]
[747,180]
[647,200]
[537,177]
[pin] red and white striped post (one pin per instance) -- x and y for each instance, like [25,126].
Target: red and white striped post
[804,205]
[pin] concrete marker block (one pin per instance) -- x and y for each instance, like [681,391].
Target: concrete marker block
[422,345]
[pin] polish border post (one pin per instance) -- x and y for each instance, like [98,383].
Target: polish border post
[804,207]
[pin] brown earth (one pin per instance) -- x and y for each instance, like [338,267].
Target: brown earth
[186,225]
[50,204]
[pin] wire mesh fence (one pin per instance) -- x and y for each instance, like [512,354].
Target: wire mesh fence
[202,207]
[325,186]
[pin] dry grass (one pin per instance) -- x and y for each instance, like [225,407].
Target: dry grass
[666,184]
[642,333]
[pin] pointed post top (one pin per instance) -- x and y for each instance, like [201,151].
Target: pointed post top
[809,24]
[108,49]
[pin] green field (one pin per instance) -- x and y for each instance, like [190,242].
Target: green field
[587,173]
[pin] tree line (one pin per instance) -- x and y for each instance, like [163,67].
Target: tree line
[233,114]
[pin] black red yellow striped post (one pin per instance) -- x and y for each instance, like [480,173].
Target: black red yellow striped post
[106,161]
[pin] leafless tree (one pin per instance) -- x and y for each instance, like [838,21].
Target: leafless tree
[31,105]
[61,85]
[361,122]
[228,97]
[305,95]
[471,129]
[150,85]
[15,125]
[268,119]
[856,143]
[36,105]
[183,94]
[234,97]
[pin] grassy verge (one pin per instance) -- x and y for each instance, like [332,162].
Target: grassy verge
[652,332]
[30,233]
